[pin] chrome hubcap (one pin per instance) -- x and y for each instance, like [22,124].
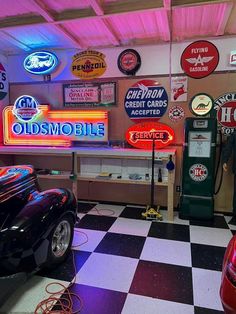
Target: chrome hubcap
[61,238]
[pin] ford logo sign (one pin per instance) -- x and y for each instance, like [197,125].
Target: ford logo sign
[40,62]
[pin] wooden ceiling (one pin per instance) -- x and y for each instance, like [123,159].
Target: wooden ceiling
[27,25]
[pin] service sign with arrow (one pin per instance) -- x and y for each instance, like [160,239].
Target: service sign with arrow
[142,135]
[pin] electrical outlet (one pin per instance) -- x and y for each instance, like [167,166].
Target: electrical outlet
[177,188]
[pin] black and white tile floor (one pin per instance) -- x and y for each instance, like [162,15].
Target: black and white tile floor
[133,266]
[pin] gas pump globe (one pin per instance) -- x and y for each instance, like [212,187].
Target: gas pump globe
[197,198]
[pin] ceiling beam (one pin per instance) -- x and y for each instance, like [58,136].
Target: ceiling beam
[111,31]
[96,6]
[109,9]
[168,8]
[43,11]
[191,3]
[224,20]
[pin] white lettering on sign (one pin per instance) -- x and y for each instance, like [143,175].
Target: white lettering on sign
[198,172]
[225,105]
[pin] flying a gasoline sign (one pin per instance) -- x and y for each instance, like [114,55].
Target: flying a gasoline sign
[88,64]
[3,82]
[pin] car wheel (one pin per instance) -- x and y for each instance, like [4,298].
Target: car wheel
[60,241]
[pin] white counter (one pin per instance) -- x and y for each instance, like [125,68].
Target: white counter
[83,151]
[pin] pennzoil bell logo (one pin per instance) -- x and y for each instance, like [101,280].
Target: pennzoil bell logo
[26,108]
[88,64]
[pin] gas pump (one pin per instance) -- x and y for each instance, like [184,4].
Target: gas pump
[197,198]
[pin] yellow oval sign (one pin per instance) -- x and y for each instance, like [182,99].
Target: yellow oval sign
[88,64]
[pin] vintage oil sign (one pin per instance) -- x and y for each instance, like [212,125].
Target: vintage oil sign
[88,64]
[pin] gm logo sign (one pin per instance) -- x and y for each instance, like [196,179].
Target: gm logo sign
[40,62]
[26,108]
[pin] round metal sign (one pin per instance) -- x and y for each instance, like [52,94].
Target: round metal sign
[201,104]
[26,108]
[176,113]
[199,59]
[198,172]
[129,61]
[225,106]
[146,100]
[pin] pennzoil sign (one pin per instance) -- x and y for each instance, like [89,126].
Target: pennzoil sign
[88,64]
[141,135]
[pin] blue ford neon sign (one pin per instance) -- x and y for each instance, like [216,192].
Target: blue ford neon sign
[40,62]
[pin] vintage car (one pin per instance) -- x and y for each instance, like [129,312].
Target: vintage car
[36,228]
[228,279]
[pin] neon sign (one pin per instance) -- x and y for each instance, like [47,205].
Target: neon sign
[141,135]
[40,62]
[27,123]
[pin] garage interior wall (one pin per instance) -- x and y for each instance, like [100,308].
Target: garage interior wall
[155,65]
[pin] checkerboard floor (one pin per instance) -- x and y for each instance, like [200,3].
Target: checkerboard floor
[134,266]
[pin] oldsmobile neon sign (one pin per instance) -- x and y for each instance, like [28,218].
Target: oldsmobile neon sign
[28,123]
[142,135]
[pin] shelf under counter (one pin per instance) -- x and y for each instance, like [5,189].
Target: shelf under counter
[54,176]
[116,180]
[79,160]
[66,176]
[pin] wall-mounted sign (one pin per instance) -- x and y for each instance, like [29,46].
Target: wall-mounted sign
[3,82]
[232,59]
[89,94]
[54,128]
[41,62]
[179,88]
[176,113]
[146,100]
[129,61]
[225,106]
[199,59]
[88,64]
[201,104]
[26,108]
[141,135]
[198,172]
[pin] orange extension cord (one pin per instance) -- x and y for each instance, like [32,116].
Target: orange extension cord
[65,304]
